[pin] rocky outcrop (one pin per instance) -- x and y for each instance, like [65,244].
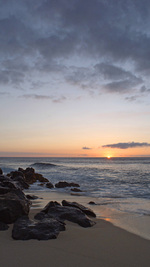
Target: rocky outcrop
[13,204]
[1,172]
[25,177]
[7,183]
[49,185]
[25,229]
[76,190]
[31,176]
[3,226]
[32,197]
[63,184]
[19,179]
[92,203]
[61,213]
[76,205]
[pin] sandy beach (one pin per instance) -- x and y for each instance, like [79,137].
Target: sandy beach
[101,245]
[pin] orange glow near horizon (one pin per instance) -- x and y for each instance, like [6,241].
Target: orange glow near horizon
[68,150]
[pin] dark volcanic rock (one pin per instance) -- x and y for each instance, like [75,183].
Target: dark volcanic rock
[92,203]
[87,211]
[31,177]
[15,174]
[1,172]
[3,226]
[76,190]
[6,182]
[4,190]
[50,205]
[61,213]
[13,205]
[19,179]
[20,182]
[29,174]
[63,184]
[25,229]
[49,185]
[40,178]
[13,182]
[31,197]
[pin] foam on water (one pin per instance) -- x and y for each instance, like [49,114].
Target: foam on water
[118,179]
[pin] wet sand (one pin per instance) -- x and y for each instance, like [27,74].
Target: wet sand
[102,245]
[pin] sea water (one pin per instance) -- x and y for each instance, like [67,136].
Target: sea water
[119,186]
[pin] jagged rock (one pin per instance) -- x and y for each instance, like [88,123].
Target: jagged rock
[4,178]
[76,190]
[50,205]
[15,174]
[92,203]
[31,197]
[25,229]
[1,172]
[31,177]
[40,178]
[13,205]
[49,185]
[19,179]
[63,184]
[4,190]
[3,226]
[6,182]
[13,182]
[84,209]
[61,213]
[21,182]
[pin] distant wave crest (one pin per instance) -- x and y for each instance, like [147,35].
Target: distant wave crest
[43,165]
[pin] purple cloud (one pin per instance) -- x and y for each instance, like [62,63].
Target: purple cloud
[127,145]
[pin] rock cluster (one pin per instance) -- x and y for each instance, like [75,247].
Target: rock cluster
[25,229]
[62,213]
[13,202]
[63,184]
[50,221]
[85,210]
[15,206]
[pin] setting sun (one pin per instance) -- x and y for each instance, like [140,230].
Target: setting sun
[108,157]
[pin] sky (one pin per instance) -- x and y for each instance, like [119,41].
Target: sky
[75,78]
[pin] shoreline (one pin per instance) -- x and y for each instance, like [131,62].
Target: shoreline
[101,245]
[131,222]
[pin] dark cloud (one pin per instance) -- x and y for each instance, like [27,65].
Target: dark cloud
[44,97]
[86,148]
[144,90]
[40,35]
[113,72]
[123,86]
[35,96]
[132,98]
[127,145]
[4,94]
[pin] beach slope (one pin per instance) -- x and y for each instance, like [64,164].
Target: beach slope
[101,245]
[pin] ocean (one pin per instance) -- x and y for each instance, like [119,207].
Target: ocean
[121,185]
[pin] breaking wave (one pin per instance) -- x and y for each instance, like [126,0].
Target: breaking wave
[43,165]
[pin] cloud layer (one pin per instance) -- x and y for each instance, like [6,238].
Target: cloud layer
[103,45]
[127,145]
[86,148]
